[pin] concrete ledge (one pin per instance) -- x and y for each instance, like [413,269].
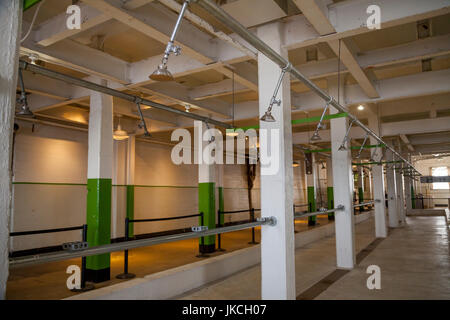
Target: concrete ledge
[176,281]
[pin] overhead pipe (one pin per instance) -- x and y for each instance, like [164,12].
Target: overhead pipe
[115,93]
[172,4]
[258,44]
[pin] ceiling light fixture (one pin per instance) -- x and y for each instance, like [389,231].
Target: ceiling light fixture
[187,108]
[267,117]
[162,73]
[360,107]
[120,134]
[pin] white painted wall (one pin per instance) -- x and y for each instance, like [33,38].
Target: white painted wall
[56,155]
[424,167]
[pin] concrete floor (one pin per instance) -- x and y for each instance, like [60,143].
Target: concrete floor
[414,262]
[48,281]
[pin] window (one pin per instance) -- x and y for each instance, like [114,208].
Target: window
[439,172]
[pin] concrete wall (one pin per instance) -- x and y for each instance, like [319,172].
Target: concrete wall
[50,170]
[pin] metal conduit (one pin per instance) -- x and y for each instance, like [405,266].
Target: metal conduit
[114,247]
[309,214]
[364,204]
[112,92]
[258,44]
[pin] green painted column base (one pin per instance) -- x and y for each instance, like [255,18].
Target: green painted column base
[311,206]
[330,200]
[207,205]
[361,198]
[98,219]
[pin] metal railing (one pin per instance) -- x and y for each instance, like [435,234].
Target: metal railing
[310,214]
[84,227]
[132,244]
[219,219]
[126,274]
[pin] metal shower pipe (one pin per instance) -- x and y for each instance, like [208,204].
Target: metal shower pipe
[258,44]
[112,92]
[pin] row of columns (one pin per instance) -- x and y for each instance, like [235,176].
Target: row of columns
[277,249]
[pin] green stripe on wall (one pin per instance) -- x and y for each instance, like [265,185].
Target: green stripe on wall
[207,205]
[98,219]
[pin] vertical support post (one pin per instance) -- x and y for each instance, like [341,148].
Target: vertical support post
[206,190]
[392,193]
[277,242]
[10,32]
[100,164]
[413,196]
[125,274]
[343,183]
[252,218]
[220,217]
[377,174]
[83,259]
[400,191]
[361,186]
[311,173]
[408,193]
[131,164]
[330,192]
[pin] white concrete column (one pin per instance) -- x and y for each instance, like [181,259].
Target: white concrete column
[400,197]
[100,172]
[392,192]
[400,190]
[10,28]
[378,178]
[131,160]
[206,186]
[408,195]
[277,242]
[343,184]
[100,153]
[329,172]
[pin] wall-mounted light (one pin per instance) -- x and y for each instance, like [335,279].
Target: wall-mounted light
[22,100]
[267,117]
[187,108]
[320,125]
[343,146]
[162,73]
[295,164]
[360,107]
